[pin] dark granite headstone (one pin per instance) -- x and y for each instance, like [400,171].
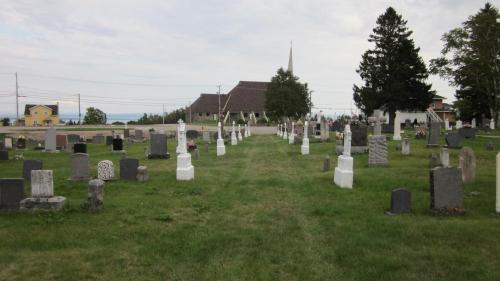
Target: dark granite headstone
[192,134]
[446,190]
[387,128]
[109,140]
[117,144]
[128,169]
[73,138]
[2,145]
[4,154]
[434,132]
[158,147]
[359,136]
[454,140]
[467,132]
[80,147]
[21,143]
[337,127]
[400,201]
[29,165]
[11,193]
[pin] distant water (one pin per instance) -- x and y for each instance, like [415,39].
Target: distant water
[112,117]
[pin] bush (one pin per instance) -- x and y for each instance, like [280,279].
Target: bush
[241,122]
[117,123]
[262,121]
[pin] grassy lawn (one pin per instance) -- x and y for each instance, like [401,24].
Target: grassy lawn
[261,212]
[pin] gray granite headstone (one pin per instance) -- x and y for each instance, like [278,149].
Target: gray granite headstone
[50,140]
[29,165]
[138,134]
[158,147]
[359,136]
[11,193]
[467,164]
[405,147]
[434,132]
[80,166]
[377,150]
[446,190]
[128,169]
[400,201]
[467,132]
[109,140]
[73,138]
[454,140]
[206,137]
[99,139]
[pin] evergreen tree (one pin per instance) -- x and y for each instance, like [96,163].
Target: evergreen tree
[94,116]
[286,97]
[393,72]
[471,61]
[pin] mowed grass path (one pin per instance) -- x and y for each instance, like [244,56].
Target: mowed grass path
[261,212]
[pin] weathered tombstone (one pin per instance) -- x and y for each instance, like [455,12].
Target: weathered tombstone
[142,173]
[61,141]
[445,157]
[80,147]
[467,132]
[105,170]
[4,155]
[196,154]
[405,147]
[433,161]
[206,137]
[453,140]
[8,143]
[95,195]
[467,164]
[138,135]
[400,202]
[79,167]
[128,169]
[206,147]
[11,193]
[490,146]
[117,145]
[324,129]
[98,139]
[29,165]
[50,140]
[73,138]
[326,164]
[377,118]
[126,133]
[446,190]
[21,143]
[458,124]
[433,140]
[109,140]
[377,151]
[158,147]
[42,192]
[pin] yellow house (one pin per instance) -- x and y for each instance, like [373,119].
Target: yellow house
[41,115]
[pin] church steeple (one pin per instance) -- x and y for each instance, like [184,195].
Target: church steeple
[290,60]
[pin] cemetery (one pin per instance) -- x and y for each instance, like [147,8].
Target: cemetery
[258,204]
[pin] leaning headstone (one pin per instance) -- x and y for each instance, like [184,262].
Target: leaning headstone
[142,173]
[400,202]
[445,157]
[405,147]
[11,193]
[80,147]
[446,190]
[79,167]
[433,161]
[50,140]
[326,164]
[377,151]
[95,195]
[42,192]
[117,145]
[4,155]
[105,170]
[29,165]
[433,140]
[467,163]
[467,132]
[158,147]
[61,141]
[128,169]
[453,140]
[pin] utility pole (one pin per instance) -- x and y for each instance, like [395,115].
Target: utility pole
[190,120]
[310,103]
[79,111]
[163,114]
[17,102]
[218,93]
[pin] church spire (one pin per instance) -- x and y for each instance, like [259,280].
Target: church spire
[290,59]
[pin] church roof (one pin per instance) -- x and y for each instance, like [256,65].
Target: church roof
[247,96]
[208,103]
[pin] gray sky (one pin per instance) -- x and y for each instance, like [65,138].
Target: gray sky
[142,54]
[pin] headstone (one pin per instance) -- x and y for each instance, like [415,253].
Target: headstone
[138,135]
[473,123]
[50,140]
[359,139]
[405,148]
[4,155]
[324,129]
[304,148]
[73,138]
[291,136]
[95,195]
[492,124]
[11,193]
[29,165]
[62,141]
[21,143]
[206,137]
[433,140]
[326,164]
[445,157]
[490,146]
[400,201]
[377,150]
[433,161]
[128,169]
[221,149]
[497,208]
[142,173]
[467,132]
[467,164]
[185,171]
[453,140]
[42,183]
[343,175]
[397,127]
[8,143]
[117,145]
[196,154]
[447,124]
[234,140]
[98,139]
[192,134]
[79,167]
[126,133]
[240,137]
[80,147]
[458,124]
[446,190]
[377,118]
[105,170]
[158,147]
[285,132]
[109,140]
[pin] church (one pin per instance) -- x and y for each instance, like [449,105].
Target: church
[245,101]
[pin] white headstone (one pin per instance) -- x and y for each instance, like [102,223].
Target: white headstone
[291,136]
[234,140]
[50,139]
[447,124]
[240,137]
[178,148]
[397,127]
[249,130]
[458,124]
[8,143]
[221,148]
[445,157]
[473,123]
[185,171]
[492,124]
[343,176]
[42,184]
[285,133]
[304,148]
